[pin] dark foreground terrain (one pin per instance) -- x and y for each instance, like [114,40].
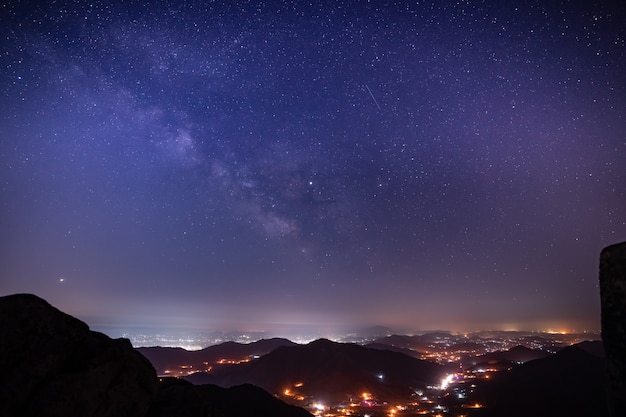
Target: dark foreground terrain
[53,365]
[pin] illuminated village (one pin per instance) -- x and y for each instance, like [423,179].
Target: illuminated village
[468,360]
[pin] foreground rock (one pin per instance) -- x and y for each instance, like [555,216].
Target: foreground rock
[613,297]
[53,365]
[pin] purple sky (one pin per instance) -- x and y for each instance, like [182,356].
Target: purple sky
[452,165]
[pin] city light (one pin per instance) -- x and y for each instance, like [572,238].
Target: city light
[445,382]
[450,393]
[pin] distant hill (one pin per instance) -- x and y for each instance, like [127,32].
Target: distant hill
[382,346]
[467,347]
[371,332]
[415,343]
[568,383]
[330,371]
[595,347]
[179,362]
[396,340]
[517,354]
[421,343]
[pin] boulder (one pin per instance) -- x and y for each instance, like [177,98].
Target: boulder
[613,300]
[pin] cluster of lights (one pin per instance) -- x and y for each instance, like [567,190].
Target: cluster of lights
[474,405]
[224,361]
[446,381]
[319,408]
[287,392]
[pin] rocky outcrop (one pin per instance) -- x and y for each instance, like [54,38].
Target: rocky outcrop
[51,364]
[613,299]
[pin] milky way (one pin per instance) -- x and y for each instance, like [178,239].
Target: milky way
[436,165]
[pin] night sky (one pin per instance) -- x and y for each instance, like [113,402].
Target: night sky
[269,165]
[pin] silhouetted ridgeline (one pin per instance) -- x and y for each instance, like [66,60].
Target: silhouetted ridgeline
[53,365]
[167,360]
[517,354]
[568,383]
[331,370]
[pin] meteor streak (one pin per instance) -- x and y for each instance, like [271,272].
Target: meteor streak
[373,98]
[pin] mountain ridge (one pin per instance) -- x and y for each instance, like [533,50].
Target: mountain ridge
[167,360]
[329,369]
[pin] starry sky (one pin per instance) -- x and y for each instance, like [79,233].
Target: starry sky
[259,165]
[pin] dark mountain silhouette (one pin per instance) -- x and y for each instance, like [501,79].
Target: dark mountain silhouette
[180,398]
[595,347]
[396,340]
[330,371]
[467,347]
[421,343]
[53,365]
[568,383]
[517,354]
[178,361]
[415,343]
[436,335]
[382,346]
